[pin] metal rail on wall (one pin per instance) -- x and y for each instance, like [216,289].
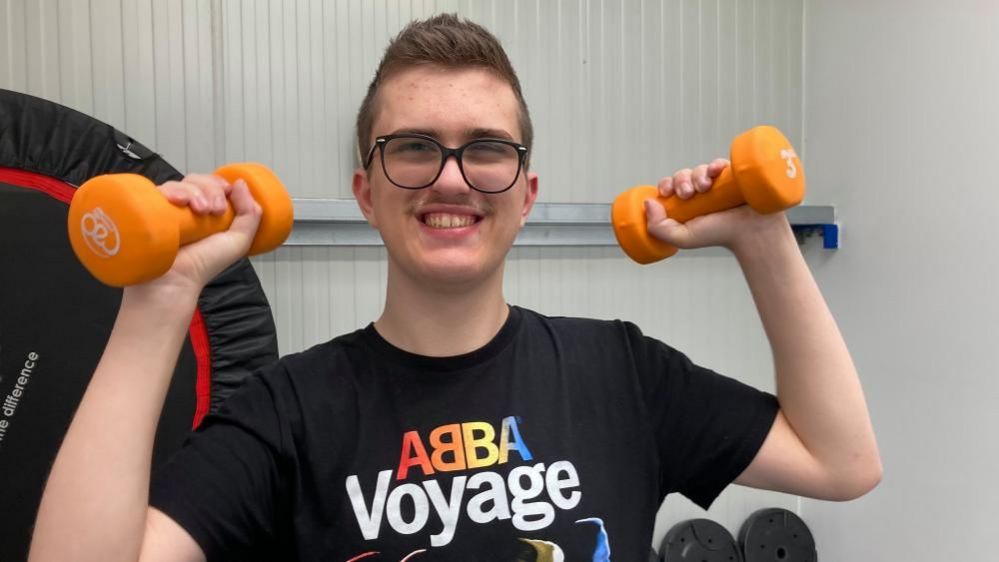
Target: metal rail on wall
[338,222]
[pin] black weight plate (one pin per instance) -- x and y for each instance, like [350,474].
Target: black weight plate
[699,540]
[776,535]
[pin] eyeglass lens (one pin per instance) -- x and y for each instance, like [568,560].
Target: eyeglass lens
[415,162]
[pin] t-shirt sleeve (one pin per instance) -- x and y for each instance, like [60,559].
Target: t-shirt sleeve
[707,427]
[222,487]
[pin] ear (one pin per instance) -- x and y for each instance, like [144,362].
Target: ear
[362,193]
[530,196]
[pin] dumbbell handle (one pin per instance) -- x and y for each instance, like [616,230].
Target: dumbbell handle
[277,206]
[193,227]
[723,195]
[631,225]
[190,226]
[765,173]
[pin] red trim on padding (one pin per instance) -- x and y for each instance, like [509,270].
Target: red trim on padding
[203,356]
[56,188]
[63,191]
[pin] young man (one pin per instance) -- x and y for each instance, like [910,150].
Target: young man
[455,427]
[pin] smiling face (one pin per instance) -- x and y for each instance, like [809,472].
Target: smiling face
[446,234]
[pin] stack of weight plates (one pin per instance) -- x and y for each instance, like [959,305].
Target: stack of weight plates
[769,535]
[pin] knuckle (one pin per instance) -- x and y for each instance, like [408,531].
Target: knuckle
[173,189]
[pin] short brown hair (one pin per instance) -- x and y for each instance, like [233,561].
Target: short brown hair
[448,41]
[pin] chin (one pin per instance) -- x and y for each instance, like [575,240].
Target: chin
[448,265]
[450,268]
[455,272]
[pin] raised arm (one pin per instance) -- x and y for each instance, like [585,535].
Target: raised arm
[95,502]
[822,444]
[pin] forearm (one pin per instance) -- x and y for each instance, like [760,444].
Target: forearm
[95,501]
[817,384]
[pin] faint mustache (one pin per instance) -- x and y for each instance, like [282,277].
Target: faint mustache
[483,209]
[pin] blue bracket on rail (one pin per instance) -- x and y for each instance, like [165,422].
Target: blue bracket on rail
[828,231]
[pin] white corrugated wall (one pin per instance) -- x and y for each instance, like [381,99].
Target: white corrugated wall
[903,125]
[621,92]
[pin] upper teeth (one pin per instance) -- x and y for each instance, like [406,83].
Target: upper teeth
[444,220]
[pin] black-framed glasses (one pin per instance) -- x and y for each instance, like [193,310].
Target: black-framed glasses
[414,161]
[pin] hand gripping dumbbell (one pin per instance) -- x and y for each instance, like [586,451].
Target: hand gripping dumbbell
[765,173]
[126,232]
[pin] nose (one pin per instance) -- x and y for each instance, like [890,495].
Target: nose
[450,181]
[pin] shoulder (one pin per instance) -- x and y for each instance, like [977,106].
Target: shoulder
[326,357]
[327,369]
[316,385]
[588,339]
[581,330]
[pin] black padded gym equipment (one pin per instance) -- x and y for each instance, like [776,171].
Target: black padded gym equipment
[776,535]
[699,540]
[55,318]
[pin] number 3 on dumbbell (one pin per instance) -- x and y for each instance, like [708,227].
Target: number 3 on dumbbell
[788,156]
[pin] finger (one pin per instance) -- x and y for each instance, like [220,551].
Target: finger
[227,188]
[682,184]
[700,178]
[664,228]
[248,211]
[197,191]
[717,166]
[666,187]
[655,213]
[176,192]
[213,191]
[186,193]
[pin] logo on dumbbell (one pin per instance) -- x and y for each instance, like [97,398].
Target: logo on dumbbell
[100,233]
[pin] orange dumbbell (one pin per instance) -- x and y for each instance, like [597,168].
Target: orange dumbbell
[765,173]
[126,232]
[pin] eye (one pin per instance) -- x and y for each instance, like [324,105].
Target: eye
[490,148]
[411,146]
[417,146]
[490,152]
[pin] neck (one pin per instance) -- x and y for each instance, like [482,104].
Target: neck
[442,321]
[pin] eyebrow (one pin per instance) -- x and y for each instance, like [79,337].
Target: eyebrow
[415,131]
[488,133]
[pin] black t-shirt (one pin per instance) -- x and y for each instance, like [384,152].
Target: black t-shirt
[561,435]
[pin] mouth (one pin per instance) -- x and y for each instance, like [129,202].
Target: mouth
[449,219]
